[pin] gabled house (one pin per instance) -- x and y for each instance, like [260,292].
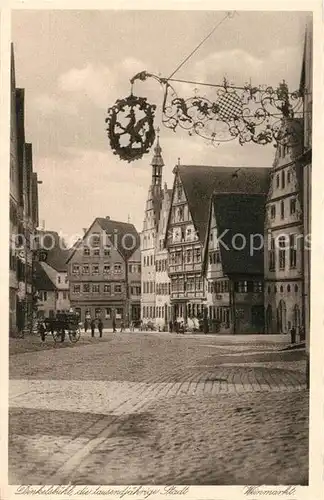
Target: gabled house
[51,277]
[233,263]
[187,226]
[104,272]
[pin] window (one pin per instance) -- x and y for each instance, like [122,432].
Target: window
[64,295]
[119,313]
[197,255]
[107,251]
[107,288]
[59,279]
[288,288]
[283,178]
[45,296]
[292,251]
[118,288]
[282,252]
[273,211]
[108,313]
[86,251]
[95,268]
[278,180]
[257,286]
[296,288]
[76,288]
[117,268]
[86,287]
[95,288]
[75,268]
[66,279]
[272,255]
[241,286]
[282,209]
[281,289]
[95,239]
[85,269]
[152,260]
[292,206]
[106,268]
[179,192]
[96,252]
[97,312]
[288,177]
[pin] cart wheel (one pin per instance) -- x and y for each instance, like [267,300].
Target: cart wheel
[74,335]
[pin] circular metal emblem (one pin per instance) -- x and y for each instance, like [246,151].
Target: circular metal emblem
[130,127]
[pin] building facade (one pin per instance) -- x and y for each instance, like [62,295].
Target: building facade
[104,272]
[284,239]
[149,237]
[187,226]
[232,266]
[162,280]
[23,213]
[51,276]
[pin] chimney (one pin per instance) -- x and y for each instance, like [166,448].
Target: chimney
[107,217]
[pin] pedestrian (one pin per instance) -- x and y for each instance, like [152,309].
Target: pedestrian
[170,326]
[114,325]
[86,324]
[100,327]
[93,327]
[293,335]
[122,326]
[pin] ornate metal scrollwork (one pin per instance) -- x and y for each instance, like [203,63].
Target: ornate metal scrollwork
[248,114]
[259,115]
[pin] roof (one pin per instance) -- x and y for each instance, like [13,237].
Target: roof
[42,280]
[200,182]
[58,254]
[240,214]
[127,239]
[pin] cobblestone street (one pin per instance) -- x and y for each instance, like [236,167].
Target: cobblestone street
[156,408]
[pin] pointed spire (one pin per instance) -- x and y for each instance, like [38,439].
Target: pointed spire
[157,160]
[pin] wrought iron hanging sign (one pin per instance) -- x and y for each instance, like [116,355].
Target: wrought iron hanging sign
[131,127]
[259,115]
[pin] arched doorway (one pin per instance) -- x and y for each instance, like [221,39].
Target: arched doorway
[282,317]
[269,319]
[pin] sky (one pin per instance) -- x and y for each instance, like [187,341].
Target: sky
[75,64]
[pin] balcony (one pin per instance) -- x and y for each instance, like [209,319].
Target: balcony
[195,294]
[184,268]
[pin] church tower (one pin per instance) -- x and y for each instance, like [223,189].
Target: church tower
[149,234]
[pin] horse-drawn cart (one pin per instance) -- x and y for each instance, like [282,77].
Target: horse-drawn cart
[61,324]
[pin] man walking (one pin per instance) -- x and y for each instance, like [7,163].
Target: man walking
[100,326]
[93,326]
[114,325]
